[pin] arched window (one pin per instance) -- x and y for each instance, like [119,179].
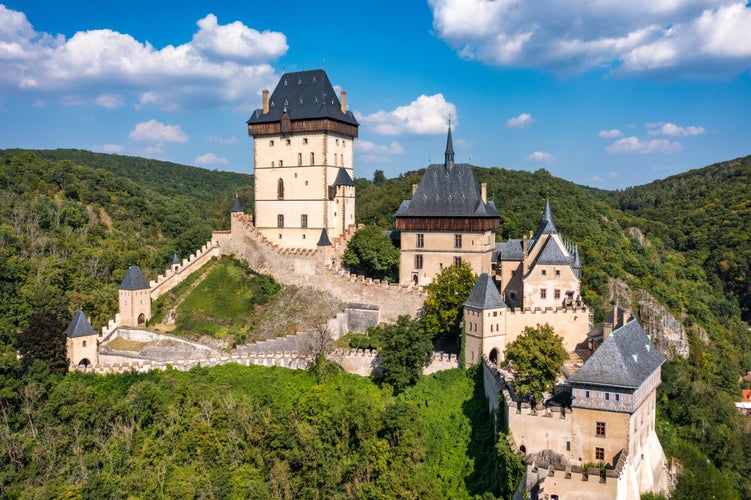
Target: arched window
[280,189]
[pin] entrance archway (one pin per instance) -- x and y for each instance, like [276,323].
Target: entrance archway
[141,319]
[84,362]
[493,356]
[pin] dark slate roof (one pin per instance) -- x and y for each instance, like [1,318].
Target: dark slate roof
[324,240]
[343,178]
[510,250]
[236,207]
[448,192]
[305,95]
[625,359]
[134,280]
[547,224]
[79,326]
[484,294]
[552,253]
[616,317]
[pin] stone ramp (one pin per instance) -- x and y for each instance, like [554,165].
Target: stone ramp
[300,343]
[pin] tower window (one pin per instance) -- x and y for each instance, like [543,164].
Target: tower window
[281,163]
[289,142]
[280,189]
[557,272]
[600,429]
[457,241]
[271,144]
[312,158]
[544,272]
[304,140]
[543,293]
[420,241]
[457,261]
[557,294]
[299,159]
[83,343]
[599,453]
[418,261]
[280,221]
[304,220]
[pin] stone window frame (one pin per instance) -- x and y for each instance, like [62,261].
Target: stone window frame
[418,261]
[420,240]
[601,429]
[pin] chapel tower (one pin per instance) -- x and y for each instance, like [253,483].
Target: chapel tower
[303,157]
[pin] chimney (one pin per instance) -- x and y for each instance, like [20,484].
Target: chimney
[414,189]
[531,233]
[626,315]
[484,190]
[524,246]
[344,102]
[607,328]
[265,101]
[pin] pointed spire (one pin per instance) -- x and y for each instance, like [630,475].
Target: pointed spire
[547,225]
[175,260]
[236,207]
[79,326]
[547,215]
[449,161]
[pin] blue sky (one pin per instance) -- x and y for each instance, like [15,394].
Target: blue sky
[607,93]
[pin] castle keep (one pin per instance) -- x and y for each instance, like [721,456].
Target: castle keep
[303,158]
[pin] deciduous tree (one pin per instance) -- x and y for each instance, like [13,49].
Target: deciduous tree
[536,356]
[371,251]
[405,350]
[442,312]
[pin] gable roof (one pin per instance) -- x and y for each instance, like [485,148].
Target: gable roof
[552,253]
[625,359]
[448,192]
[134,280]
[484,295]
[304,95]
[79,326]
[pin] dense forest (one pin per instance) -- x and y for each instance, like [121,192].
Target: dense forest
[72,221]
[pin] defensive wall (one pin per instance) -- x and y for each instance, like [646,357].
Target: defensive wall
[358,361]
[177,273]
[317,268]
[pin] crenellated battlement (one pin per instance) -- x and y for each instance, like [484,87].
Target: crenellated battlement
[177,273]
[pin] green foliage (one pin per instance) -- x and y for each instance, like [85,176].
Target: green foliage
[44,340]
[511,469]
[223,302]
[442,313]
[404,351]
[240,432]
[371,252]
[536,356]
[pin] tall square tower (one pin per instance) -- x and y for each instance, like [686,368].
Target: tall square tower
[303,157]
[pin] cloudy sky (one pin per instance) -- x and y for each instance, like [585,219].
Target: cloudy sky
[604,93]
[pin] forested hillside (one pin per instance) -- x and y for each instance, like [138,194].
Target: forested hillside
[69,231]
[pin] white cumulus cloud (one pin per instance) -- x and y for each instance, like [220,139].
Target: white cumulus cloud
[613,133]
[692,37]
[541,157]
[522,120]
[222,64]
[370,152]
[673,130]
[211,159]
[425,115]
[636,146]
[157,132]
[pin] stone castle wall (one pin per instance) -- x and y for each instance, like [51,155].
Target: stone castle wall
[315,268]
[175,275]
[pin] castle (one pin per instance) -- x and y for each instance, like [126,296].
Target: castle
[603,410]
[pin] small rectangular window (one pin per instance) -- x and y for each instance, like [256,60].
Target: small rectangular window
[299,159]
[600,454]
[557,272]
[418,261]
[617,397]
[457,241]
[281,163]
[544,272]
[305,140]
[420,241]
[557,294]
[312,158]
[289,142]
[304,220]
[544,293]
[457,261]
[280,220]
[600,429]
[83,343]
[607,396]
[271,143]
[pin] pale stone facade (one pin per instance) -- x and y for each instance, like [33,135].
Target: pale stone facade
[303,156]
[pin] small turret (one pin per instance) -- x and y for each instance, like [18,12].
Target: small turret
[81,342]
[135,298]
[449,155]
